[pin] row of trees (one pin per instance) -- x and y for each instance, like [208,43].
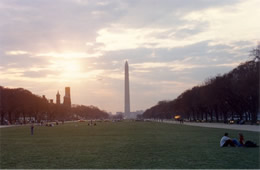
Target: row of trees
[21,104]
[88,112]
[235,94]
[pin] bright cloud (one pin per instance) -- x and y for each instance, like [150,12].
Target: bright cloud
[120,38]
[230,23]
[179,65]
[16,52]
[69,55]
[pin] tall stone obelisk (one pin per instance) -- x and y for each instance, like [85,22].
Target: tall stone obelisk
[127,95]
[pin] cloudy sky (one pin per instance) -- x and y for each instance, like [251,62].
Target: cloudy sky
[171,45]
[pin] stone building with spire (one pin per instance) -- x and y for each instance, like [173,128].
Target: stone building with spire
[58,98]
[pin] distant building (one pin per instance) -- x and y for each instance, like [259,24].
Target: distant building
[66,99]
[133,115]
[119,113]
[58,98]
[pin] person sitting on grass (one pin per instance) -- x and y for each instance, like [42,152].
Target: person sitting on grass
[247,143]
[241,139]
[226,141]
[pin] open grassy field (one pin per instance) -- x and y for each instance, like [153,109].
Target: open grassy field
[123,145]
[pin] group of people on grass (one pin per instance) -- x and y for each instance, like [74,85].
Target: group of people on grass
[227,141]
[42,124]
[92,124]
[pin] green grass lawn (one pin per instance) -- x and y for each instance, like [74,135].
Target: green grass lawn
[123,145]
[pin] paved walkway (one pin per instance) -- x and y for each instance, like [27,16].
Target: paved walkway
[254,128]
[5,126]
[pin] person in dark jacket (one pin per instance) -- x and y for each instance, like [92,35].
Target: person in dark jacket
[32,128]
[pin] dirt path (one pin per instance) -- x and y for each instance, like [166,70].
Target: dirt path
[254,128]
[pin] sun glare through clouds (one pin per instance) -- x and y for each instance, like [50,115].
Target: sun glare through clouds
[67,68]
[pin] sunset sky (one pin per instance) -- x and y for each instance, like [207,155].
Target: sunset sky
[170,45]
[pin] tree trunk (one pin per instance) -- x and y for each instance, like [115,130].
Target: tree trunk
[254,118]
[216,113]
[2,118]
[211,116]
[24,122]
[246,116]
[225,117]
[217,116]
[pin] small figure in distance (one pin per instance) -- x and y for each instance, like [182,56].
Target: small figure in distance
[226,141]
[32,128]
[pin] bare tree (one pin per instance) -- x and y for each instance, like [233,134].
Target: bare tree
[256,52]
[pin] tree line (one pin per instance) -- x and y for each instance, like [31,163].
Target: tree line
[20,104]
[221,98]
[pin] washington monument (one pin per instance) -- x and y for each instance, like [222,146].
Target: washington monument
[127,95]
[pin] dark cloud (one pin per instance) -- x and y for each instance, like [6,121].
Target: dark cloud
[153,13]
[187,32]
[41,24]
[198,54]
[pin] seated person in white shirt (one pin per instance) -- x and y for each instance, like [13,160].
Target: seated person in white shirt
[226,141]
